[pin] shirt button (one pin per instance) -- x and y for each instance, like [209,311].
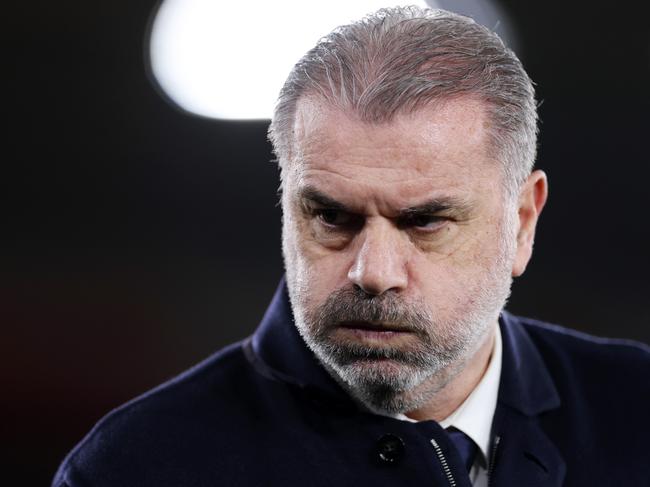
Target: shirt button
[390,449]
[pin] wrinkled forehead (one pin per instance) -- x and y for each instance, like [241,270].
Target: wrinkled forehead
[453,131]
[436,151]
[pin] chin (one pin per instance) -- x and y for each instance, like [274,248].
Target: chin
[384,386]
[387,388]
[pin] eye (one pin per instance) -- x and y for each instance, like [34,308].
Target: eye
[334,218]
[424,222]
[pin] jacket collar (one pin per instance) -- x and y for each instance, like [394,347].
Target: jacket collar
[526,390]
[526,384]
[279,352]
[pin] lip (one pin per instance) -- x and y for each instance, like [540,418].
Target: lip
[373,332]
[374,327]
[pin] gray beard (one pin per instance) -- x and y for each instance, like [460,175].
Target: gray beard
[389,379]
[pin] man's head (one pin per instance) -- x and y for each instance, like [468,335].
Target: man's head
[402,59]
[406,143]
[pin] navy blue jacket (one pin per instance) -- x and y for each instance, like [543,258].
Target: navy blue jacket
[572,410]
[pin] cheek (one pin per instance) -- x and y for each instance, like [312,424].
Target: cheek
[313,271]
[441,283]
[450,284]
[294,261]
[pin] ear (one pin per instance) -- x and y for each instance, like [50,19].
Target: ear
[531,202]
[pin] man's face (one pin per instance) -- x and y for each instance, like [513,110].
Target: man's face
[398,246]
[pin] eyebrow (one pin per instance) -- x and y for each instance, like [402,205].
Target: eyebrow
[309,193]
[437,205]
[431,206]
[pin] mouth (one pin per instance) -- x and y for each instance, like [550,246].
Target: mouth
[372,326]
[370,331]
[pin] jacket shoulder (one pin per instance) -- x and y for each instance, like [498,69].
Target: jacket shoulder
[592,365]
[578,344]
[599,422]
[147,429]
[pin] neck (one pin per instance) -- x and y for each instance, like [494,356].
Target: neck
[459,385]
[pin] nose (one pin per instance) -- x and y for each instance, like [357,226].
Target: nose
[380,262]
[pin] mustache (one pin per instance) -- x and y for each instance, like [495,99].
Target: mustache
[353,305]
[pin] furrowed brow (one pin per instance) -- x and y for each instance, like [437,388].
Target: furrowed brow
[437,205]
[313,195]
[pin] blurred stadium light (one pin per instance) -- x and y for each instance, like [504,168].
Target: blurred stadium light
[228,59]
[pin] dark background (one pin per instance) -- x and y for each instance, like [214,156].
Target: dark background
[138,239]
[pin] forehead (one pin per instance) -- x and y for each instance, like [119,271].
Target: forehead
[437,148]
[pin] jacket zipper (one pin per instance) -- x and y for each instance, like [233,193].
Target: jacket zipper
[443,462]
[493,458]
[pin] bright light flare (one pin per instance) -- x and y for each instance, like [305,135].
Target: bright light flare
[226,59]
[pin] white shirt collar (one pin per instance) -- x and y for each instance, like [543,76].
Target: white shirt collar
[474,416]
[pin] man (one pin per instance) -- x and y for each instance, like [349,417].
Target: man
[406,143]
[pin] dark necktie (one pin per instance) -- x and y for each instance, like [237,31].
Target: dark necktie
[465,446]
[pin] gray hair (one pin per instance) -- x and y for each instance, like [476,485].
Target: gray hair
[401,59]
